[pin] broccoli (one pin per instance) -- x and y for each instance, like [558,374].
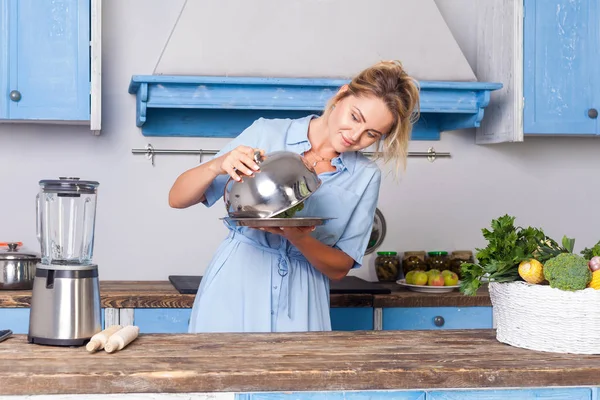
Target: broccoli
[290,212]
[567,271]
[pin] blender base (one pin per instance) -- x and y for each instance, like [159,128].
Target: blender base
[58,342]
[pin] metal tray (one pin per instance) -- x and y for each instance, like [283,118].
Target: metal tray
[276,222]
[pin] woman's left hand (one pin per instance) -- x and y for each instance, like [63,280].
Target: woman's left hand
[291,233]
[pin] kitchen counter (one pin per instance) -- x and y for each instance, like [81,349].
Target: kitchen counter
[161,294]
[322,361]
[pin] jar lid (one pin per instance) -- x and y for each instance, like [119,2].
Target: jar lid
[386,253]
[437,253]
[69,185]
[11,251]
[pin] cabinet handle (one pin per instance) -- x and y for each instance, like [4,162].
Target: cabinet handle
[593,113]
[438,321]
[15,95]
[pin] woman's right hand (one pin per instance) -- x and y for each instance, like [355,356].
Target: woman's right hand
[239,162]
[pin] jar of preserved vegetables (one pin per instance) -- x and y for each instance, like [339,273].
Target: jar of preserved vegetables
[438,260]
[413,260]
[387,266]
[459,257]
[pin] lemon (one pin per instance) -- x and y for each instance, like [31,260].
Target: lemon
[532,271]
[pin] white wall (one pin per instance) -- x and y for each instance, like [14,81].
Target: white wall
[551,182]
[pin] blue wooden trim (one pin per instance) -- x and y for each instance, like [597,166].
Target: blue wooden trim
[209,106]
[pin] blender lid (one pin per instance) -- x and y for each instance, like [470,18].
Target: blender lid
[11,251]
[69,185]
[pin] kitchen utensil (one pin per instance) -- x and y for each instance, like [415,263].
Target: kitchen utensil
[17,267]
[5,334]
[378,232]
[285,180]
[427,289]
[66,213]
[277,222]
[65,303]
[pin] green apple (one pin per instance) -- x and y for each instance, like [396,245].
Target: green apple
[410,277]
[420,278]
[433,272]
[446,272]
[451,279]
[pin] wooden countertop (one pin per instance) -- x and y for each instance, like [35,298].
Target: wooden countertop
[290,362]
[161,294]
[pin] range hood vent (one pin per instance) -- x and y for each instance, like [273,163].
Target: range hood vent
[212,106]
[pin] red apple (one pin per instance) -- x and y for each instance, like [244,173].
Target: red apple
[436,280]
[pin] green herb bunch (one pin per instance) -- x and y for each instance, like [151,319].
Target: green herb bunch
[507,247]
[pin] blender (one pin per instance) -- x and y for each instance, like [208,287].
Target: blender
[65,301]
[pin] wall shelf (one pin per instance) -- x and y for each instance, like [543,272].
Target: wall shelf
[210,106]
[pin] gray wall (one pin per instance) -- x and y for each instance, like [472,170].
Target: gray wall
[550,182]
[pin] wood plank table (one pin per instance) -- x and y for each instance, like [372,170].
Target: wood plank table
[401,363]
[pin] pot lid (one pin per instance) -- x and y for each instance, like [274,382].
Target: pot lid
[12,251]
[69,185]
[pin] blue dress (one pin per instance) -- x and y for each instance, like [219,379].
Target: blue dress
[258,281]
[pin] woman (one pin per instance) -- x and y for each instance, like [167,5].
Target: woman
[277,280]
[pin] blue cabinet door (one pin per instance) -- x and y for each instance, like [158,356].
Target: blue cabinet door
[48,59]
[560,64]
[425,318]
[162,320]
[354,395]
[15,319]
[351,318]
[513,394]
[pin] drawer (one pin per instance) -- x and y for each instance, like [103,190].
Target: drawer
[423,318]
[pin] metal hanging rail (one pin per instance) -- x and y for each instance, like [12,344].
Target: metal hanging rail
[149,151]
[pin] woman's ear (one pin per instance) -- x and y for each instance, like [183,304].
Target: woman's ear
[343,89]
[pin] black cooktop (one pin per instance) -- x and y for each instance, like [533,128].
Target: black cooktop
[188,284]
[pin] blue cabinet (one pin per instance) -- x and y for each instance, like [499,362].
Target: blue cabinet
[513,394]
[426,318]
[353,395]
[351,318]
[15,319]
[162,320]
[176,320]
[560,39]
[45,60]
[488,394]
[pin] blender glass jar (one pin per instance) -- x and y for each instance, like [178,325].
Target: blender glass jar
[66,218]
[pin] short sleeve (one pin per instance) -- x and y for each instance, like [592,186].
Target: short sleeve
[249,137]
[356,236]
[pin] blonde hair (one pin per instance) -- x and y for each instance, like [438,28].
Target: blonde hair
[388,81]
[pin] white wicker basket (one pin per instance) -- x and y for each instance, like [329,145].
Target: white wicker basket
[538,317]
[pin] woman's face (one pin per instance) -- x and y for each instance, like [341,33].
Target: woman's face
[357,122]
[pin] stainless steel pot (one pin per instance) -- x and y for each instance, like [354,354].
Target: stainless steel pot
[285,179]
[17,267]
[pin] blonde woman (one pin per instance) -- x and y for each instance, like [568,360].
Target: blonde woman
[277,280]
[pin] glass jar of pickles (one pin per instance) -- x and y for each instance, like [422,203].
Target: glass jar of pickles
[438,260]
[387,266]
[459,257]
[413,260]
